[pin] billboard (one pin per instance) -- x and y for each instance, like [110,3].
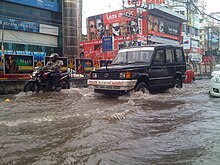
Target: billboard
[140,2]
[118,23]
[43,4]
[64,59]
[83,66]
[18,64]
[103,63]
[20,25]
[163,27]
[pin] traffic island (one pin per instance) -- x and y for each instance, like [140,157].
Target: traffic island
[16,86]
[11,86]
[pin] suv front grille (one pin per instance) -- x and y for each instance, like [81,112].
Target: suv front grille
[106,75]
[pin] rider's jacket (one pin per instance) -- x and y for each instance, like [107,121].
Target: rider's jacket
[54,66]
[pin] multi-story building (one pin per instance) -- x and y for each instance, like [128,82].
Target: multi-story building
[40,27]
[190,31]
[31,26]
[209,39]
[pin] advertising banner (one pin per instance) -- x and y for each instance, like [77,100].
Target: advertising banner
[83,66]
[64,59]
[118,23]
[43,4]
[186,42]
[103,63]
[164,28]
[39,58]
[140,2]
[119,16]
[95,27]
[18,64]
[19,25]
[108,43]
[48,29]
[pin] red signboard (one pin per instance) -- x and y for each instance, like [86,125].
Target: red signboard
[155,1]
[132,2]
[140,2]
[119,16]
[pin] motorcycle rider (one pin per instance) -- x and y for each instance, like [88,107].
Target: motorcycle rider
[54,66]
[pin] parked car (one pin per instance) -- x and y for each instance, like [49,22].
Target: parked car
[190,75]
[216,69]
[141,68]
[214,86]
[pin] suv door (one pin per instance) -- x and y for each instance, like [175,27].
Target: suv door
[180,60]
[170,64]
[158,71]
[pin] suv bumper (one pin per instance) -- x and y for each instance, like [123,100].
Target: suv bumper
[118,85]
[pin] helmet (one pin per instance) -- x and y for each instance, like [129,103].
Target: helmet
[54,57]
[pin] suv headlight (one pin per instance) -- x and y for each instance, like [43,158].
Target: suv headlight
[125,75]
[94,75]
[122,75]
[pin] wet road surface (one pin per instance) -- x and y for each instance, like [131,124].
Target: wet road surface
[76,126]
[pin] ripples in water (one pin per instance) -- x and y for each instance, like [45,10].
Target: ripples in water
[77,126]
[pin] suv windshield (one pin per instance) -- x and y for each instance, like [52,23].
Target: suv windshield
[128,57]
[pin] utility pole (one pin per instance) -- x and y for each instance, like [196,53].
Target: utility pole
[147,20]
[3,28]
[187,18]
[124,37]
[208,42]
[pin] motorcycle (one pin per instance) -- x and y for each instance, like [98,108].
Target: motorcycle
[40,80]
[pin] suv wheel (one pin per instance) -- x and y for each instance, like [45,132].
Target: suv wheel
[177,83]
[141,87]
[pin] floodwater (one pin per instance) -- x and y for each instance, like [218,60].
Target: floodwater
[76,126]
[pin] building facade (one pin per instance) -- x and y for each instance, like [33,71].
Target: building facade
[31,26]
[191,28]
[40,27]
[131,27]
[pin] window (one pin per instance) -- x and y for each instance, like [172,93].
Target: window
[170,56]
[159,57]
[179,55]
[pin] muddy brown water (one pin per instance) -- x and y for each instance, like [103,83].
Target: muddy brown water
[76,126]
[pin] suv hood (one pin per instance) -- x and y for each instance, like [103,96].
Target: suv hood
[122,67]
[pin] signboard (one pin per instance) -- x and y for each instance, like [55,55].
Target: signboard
[43,4]
[117,23]
[18,64]
[48,29]
[162,27]
[83,66]
[186,42]
[102,63]
[64,59]
[20,25]
[140,2]
[108,43]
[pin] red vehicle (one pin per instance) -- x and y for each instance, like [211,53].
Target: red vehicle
[190,75]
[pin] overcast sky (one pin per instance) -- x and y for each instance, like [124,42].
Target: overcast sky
[94,7]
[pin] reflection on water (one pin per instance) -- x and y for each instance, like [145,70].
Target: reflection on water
[77,126]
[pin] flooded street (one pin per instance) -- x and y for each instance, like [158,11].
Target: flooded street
[77,126]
